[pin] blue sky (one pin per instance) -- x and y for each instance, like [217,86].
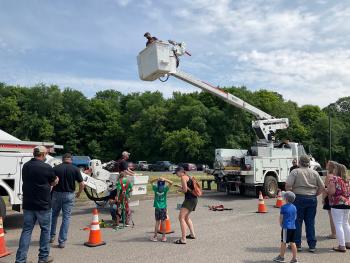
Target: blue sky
[297,48]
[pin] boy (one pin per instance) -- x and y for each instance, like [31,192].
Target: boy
[288,216]
[160,204]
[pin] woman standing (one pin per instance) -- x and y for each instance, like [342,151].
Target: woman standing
[339,199]
[187,207]
[331,171]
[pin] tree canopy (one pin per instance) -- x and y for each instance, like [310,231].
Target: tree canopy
[185,127]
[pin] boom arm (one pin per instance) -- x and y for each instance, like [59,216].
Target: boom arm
[161,58]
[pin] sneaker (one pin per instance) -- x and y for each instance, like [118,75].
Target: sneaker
[61,245]
[163,239]
[52,239]
[48,260]
[299,248]
[312,250]
[294,261]
[279,259]
[154,239]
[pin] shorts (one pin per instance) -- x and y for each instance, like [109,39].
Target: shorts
[160,214]
[190,204]
[326,205]
[288,235]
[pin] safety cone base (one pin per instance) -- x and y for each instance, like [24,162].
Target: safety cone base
[94,245]
[168,232]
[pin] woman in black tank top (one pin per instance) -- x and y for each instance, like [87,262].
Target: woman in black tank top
[187,207]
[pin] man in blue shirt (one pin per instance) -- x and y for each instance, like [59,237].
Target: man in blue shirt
[288,216]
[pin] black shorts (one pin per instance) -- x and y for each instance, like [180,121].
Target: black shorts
[288,235]
[190,204]
[160,214]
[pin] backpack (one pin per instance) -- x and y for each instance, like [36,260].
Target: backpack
[197,190]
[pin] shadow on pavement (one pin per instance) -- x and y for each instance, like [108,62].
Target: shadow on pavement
[263,249]
[256,261]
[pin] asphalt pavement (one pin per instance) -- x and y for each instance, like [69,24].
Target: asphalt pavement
[240,235]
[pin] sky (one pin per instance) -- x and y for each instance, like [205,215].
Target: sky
[299,49]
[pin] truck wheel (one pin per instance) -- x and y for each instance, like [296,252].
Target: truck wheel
[270,186]
[2,208]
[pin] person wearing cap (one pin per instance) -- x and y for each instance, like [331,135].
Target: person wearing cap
[38,178]
[150,39]
[188,206]
[288,215]
[306,184]
[123,165]
[63,197]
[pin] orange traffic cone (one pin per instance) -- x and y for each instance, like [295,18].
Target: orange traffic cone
[167,227]
[95,237]
[3,249]
[279,201]
[261,207]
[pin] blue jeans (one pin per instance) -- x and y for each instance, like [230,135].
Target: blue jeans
[113,210]
[61,201]
[306,209]
[30,217]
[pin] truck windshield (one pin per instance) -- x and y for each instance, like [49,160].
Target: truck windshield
[301,150]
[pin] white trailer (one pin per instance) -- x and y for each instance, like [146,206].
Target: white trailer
[266,165]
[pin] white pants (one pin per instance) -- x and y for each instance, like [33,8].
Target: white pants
[342,227]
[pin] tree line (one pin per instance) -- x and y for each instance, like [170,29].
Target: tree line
[185,127]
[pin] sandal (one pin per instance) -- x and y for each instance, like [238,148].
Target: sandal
[337,249]
[190,237]
[179,242]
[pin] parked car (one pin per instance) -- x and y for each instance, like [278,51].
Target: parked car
[80,161]
[142,166]
[202,167]
[162,166]
[188,166]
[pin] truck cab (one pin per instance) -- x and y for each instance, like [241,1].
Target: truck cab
[263,167]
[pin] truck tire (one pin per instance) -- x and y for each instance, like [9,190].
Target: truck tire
[2,208]
[270,186]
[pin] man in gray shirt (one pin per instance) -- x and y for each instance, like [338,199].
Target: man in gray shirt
[307,185]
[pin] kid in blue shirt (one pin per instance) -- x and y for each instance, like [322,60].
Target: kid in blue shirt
[288,216]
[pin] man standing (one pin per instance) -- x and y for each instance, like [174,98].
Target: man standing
[124,165]
[306,185]
[38,177]
[294,165]
[63,197]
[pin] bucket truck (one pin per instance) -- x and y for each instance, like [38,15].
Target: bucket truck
[265,166]
[14,153]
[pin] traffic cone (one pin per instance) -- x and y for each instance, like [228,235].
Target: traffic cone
[261,207]
[95,237]
[279,201]
[167,227]
[3,249]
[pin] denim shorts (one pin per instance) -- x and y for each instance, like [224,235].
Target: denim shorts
[160,214]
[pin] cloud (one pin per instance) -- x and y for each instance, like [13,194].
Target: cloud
[297,48]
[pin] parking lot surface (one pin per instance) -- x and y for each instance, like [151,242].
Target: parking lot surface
[240,235]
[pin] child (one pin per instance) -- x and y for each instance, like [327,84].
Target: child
[160,204]
[288,216]
[124,189]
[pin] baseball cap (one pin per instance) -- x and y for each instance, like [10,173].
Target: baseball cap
[304,160]
[125,153]
[179,169]
[288,196]
[39,149]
